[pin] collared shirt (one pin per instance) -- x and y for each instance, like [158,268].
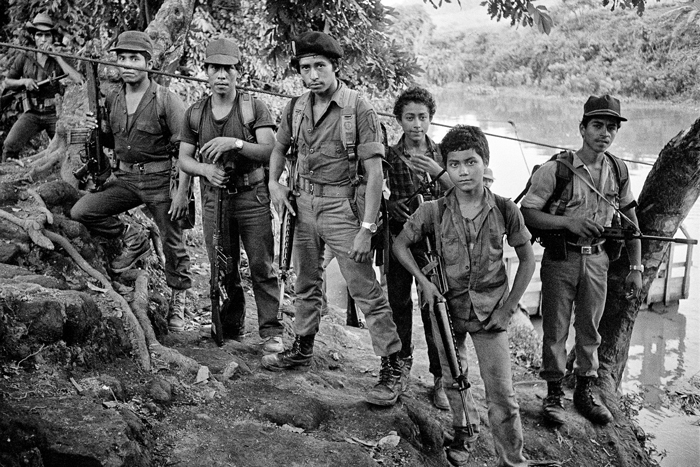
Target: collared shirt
[229,126]
[472,250]
[405,180]
[26,66]
[322,158]
[146,137]
[584,202]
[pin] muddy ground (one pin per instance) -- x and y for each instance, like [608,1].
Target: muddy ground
[72,394]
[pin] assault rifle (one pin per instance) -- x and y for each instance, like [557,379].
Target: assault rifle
[435,271]
[221,267]
[287,235]
[621,233]
[8,97]
[96,167]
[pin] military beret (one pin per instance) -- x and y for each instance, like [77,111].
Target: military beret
[316,43]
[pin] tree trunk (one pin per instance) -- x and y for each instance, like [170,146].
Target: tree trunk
[670,191]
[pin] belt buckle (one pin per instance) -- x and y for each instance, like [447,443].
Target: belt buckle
[587,250]
[141,166]
[311,188]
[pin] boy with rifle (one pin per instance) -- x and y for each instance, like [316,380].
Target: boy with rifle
[469,291]
[235,135]
[414,168]
[36,74]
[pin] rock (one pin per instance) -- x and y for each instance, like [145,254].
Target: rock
[202,374]
[44,318]
[230,370]
[390,441]
[111,388]
[8,252]
[299,411]
[160,390]
[8,271]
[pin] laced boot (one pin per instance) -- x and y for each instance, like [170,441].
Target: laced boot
[406,365]
[301,354]
[460,450]
[440,399]
[552,406]
[178,302]
[587,404]
[388,389]
[137,246]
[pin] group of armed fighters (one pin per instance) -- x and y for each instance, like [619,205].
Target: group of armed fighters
[446,226]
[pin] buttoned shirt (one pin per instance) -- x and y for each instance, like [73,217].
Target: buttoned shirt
[472,250]
[147,136]
[321,155]
[584,202]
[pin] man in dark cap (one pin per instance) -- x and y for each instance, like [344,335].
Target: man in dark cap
[28,69]
[142,124]
[339,181]
[235,134]
[575,264]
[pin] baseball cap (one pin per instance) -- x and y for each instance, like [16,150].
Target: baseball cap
[133,41]
[222,52]
[604,106]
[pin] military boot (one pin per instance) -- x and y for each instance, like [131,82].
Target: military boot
[388,389]
[178,302]
[460,450]
[587,404]
[440,399]
[552,406]
[406,365]
[137,246]
[301,354]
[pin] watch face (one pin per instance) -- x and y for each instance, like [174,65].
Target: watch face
[239,144]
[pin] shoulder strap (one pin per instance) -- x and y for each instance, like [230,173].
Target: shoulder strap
[196,112]
[439,208]
[348,130]
[621,171]
[246,108]
[297,112]
[501,203]
[161,97]
[563,179]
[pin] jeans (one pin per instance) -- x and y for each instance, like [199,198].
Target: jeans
[28,125]
[398,283]
[246,217]
[580,280]
[329,221]
[98,211]
[493,353]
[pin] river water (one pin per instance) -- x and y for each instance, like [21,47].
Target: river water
[665,347]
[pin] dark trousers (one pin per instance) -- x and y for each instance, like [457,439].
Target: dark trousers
[399,282]
[98,211]
[28,125]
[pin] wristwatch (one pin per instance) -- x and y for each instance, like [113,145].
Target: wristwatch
[637,267]
[371,227]
[238,144]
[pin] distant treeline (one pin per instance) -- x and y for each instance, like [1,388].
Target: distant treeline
[590,50]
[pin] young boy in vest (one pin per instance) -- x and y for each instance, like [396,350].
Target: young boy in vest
[468,226]
[580,277]
[142,122]
[335,208]
[235,156]
[414,161]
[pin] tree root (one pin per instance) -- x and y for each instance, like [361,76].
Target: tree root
[33,227]
[42,205]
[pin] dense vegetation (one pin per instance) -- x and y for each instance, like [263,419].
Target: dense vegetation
[590,49]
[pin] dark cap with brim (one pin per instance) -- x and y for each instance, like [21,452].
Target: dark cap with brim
[604,106]
[41,22]
[133,41]
[222,52]
[316,43]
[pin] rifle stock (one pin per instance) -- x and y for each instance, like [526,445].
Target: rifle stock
[96,168]
[435,271]
[221,266]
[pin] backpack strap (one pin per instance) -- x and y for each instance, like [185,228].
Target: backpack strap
[246,113]
[297,109]
[348,130]
[439,208]
[563,181]
[501,203]
[195,120]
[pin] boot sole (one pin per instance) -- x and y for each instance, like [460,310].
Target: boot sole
[382,403]
[279,369]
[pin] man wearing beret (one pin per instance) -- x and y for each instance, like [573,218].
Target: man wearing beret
[28,69]
[574,274]
[234,155]
[335,206]
[142,123]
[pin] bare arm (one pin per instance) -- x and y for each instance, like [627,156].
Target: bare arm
[279,193]
[189,166]
[214,149]
[582,227]
[361,248]
[402,252]
[633,281]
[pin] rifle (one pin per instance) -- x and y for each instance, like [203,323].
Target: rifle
[289,223]
[96,167]
[621,233]
[435,271]
[6,98]
[221,267]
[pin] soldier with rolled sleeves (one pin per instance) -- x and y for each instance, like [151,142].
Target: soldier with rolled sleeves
[332,210]
[141,123]
[28,69]
[235,155]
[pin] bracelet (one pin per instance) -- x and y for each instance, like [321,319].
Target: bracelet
[637,267]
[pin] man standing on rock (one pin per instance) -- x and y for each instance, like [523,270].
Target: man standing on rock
[339,177]
[575,263]
[235,153]
[27,70]
[142,121]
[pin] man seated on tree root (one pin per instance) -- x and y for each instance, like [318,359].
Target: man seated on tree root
[335,206]
[28,69]
[235,134]
[142,122]
[575,263]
